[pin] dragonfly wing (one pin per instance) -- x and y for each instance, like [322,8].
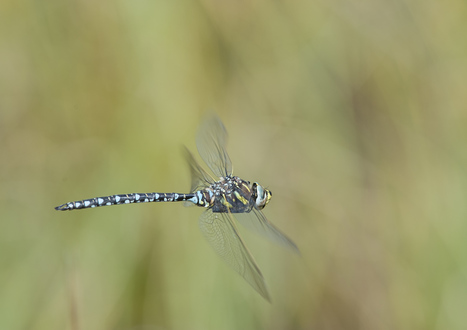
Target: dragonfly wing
[211,141]
[199,178]
[220,232]
[256,221]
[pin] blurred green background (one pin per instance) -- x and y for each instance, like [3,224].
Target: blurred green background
[352,113]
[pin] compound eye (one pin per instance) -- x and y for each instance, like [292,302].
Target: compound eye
[262,195]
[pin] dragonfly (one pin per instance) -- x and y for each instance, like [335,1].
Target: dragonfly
[224,196]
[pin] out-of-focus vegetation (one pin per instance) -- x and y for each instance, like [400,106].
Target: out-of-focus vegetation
[353,114]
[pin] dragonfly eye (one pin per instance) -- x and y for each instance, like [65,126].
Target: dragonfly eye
[262,195]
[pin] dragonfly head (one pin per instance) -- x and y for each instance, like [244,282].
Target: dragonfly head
[262,195]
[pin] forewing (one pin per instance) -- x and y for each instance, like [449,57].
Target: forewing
[220,232]
[256,221]
[211,142]
[199,178]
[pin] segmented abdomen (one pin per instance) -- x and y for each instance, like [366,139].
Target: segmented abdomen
[125,199]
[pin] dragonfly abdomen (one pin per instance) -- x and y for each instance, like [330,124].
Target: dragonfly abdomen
[127,199]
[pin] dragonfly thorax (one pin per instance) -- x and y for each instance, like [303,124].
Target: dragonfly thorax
[233,195]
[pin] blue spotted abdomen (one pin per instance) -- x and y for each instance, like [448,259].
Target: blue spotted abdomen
[125,199]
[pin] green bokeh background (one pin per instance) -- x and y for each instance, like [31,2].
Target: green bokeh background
[352,113]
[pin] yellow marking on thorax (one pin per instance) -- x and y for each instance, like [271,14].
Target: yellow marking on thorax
[241,198]
[246,186]
[224,202]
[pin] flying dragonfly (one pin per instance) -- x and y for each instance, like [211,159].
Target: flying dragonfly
[224,197]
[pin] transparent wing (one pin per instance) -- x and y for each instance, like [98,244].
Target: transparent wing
[220,232]
[199,178]
[211,142]
[256,221]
